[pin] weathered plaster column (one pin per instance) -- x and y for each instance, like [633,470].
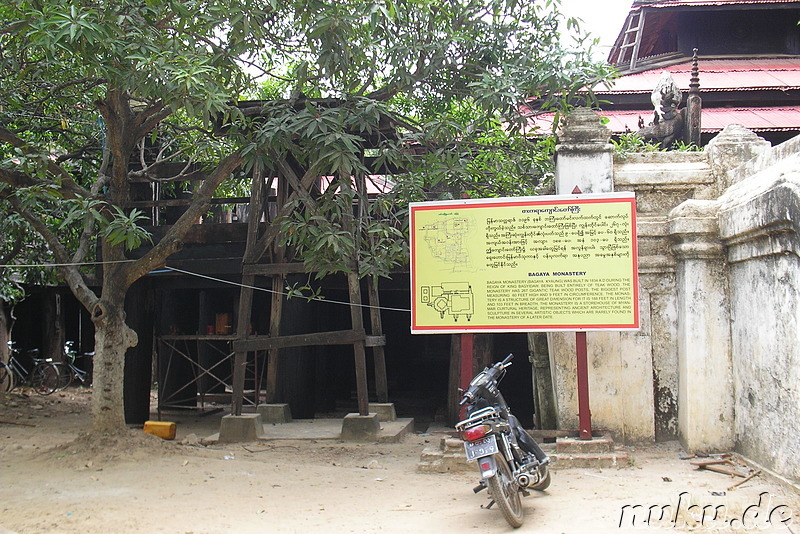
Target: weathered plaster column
[705,380]
[584,155]
[620,371]
[731,148]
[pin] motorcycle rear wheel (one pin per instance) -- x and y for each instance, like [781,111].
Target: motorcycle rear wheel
[505,493]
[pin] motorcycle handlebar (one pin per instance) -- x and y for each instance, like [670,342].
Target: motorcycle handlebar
[507,361]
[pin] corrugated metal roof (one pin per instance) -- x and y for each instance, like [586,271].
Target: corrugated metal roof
[718,75]
[783,118]
[691,3]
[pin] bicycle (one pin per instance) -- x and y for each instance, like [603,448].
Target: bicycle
[43,376]
[68,372]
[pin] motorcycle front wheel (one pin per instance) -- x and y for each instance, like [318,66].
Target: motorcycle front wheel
[505,493]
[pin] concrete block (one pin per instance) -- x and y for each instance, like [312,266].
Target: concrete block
[596,445]
[238,428]
[357,427]
[385,411]
[274,413]
[616,460]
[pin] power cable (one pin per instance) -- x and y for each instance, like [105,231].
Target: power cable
[265,290]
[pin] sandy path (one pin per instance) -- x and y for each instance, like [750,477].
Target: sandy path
[146,485]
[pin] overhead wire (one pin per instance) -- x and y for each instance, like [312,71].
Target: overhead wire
[265,290]
[214,279]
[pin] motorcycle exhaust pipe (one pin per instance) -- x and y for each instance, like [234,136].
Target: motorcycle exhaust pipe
[523,480]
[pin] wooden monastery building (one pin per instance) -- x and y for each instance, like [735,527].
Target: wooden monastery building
[748,59]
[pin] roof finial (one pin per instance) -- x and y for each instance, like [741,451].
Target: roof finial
[694,81]
[694,104]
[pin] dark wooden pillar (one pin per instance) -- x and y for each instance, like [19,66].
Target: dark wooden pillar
[544,396]
[273,361]
[137,377]
[354,288]
[379,355]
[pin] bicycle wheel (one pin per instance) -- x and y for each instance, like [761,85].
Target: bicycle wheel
[6,378]
[65,375]
[44,378]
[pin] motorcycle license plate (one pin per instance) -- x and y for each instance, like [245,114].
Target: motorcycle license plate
[480,448]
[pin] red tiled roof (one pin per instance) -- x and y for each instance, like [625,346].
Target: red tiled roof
[717,75]
[656,4]
[783,118]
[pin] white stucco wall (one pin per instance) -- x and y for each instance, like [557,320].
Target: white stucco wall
[759,222]
[716,362]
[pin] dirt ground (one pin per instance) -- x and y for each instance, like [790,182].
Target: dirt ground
[54,480]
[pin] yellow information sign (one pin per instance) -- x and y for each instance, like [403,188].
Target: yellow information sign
[524,264]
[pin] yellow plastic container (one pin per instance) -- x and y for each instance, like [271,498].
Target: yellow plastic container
[162,429]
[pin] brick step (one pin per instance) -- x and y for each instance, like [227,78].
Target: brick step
[617,460]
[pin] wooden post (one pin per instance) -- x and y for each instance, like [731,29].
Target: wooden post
[354,288]
[378,354]
[466,360]
[544,400]
[275,315]
[694,104]
[245,311]
[240,357]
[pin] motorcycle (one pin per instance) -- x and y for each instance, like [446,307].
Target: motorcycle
[509,460]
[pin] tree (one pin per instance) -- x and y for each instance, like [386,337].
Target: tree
[86,83]
[89,85]
[17,246]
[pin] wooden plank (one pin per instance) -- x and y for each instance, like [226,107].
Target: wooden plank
[375,341]
[207,266]
[271,269]
[725,470]
[183,202]
[335,337]
[711,461]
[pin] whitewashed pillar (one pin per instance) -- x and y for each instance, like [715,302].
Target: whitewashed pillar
[705,380]
[620,371]
[584,156]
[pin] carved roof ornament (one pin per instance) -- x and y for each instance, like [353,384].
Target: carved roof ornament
[694,104]
[671,124]
[666,97]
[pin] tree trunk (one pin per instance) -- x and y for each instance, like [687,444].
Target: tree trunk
[112,339]
[4,332]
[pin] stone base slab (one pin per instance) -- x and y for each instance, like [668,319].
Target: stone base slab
[274,413]
[385,411]
[356,427]
[238,428]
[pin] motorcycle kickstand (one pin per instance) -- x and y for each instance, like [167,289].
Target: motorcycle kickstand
[488,506]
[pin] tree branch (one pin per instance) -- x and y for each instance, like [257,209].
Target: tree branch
[68,187]
[172,240]
[70,274]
